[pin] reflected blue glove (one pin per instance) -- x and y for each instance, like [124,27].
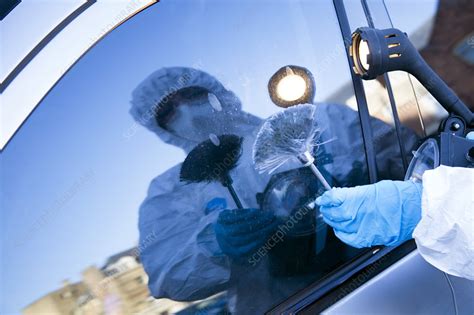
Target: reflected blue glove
[215,204]
[241,232]
[385,213]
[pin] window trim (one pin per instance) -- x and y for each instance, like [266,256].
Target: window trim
[29,107]
[44,42]
[389,89]
[343,281]
[359,92]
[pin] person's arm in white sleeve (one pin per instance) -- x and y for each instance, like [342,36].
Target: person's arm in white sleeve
[178,248]
[445,234]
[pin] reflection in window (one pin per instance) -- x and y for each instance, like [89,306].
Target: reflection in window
[255,257]
[465,49]
[200,75]
[250,235]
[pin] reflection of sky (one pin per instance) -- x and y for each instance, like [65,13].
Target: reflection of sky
[72,183]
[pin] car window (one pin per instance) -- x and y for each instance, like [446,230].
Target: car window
[158,176]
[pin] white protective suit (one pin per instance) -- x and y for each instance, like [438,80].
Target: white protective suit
[445,234]
[178,247]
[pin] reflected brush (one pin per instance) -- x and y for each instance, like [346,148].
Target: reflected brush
[212,161]
[288,135]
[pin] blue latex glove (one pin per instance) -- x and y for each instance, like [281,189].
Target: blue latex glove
[215,204]
[385,213]
[241,232]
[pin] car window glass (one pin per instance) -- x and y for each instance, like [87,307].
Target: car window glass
[106,188]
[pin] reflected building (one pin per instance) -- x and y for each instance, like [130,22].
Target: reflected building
[61,301]
[119,287]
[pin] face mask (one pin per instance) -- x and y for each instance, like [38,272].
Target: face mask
[196,121]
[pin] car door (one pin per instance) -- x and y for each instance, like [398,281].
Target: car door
[95,191]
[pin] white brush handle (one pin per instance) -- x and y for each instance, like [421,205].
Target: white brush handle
[320,176]
[308,160]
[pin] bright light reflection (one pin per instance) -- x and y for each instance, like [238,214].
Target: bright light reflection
[363,54]
[291,88]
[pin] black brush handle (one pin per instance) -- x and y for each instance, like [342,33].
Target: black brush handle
[234,196]
[228,183]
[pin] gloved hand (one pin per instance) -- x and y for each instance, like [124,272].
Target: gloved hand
[241,232]
[385,213]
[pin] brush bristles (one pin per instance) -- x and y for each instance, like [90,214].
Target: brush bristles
[284,136]
[209,162]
